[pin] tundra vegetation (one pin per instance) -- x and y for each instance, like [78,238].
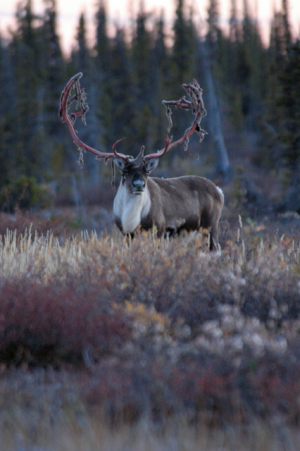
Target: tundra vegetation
[150,335]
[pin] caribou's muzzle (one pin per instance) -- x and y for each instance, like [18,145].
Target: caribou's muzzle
[138,185]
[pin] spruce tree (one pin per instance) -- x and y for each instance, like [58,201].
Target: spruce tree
[102,76]
[287,35]
[53,66]
[103,57]
[81,56]
[254,56]
[141,61]
[82,61]
[7,116]
[184,51]
[123,105]
[234,29]
[25,52]
[231,59]
[183,59]
[288,105]
[241,69]
[160,76]
[213,22]
[277,60]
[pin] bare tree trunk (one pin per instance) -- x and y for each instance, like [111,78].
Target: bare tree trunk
[214,115]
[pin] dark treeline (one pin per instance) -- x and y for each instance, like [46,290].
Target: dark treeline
[250,87]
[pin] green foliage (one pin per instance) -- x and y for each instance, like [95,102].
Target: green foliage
[24,193]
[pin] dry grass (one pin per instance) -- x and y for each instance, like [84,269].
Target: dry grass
[41,412]
[184,346]
[91,433]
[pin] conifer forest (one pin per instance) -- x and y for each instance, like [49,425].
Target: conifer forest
[251,91]
[152,342]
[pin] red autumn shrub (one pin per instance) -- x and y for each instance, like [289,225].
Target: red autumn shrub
[57,322]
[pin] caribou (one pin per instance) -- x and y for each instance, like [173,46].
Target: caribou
[169,205]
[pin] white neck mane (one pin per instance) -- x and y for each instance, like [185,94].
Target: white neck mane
[131,208]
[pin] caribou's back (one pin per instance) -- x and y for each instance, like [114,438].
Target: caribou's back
[187,202]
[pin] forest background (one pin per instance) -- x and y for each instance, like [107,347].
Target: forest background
[251,90]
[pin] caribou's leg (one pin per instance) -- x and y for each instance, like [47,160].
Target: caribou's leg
[214,239]
[214,234]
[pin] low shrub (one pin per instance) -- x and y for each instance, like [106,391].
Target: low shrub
[42,324]
[159,327]
[24,193]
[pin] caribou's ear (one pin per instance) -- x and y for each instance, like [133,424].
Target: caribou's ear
[119,163]
[152,164]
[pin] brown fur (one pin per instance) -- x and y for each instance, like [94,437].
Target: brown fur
[184,203]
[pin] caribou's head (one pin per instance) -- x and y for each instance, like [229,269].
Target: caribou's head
[134,170]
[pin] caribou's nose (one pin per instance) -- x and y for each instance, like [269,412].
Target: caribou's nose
[138,184]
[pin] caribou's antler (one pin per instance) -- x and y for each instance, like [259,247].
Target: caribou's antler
[73,105]
[196,104]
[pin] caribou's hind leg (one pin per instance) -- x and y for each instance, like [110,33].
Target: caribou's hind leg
[214,239]
[214,233]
